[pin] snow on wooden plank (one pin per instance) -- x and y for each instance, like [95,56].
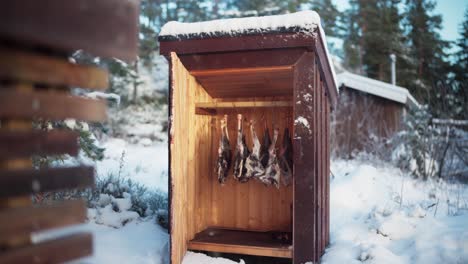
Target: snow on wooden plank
[304,21]
[23,144]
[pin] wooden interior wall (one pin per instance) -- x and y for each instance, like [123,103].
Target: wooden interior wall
[188,136]
[250,205]
[359,116]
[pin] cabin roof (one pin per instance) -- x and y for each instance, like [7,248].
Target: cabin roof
[304,21]
[377,88]
[295,30]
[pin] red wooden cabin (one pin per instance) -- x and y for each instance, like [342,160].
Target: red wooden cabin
[272,68]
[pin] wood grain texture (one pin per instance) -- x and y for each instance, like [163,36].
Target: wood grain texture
[25,220]
[105,28]
[241,44]
[359,117]
[238,43]
[246,82]
[31,67]
[305,175]
[213,107]
[241,242]
[22,144]
[18,126]
[247,59]
[251,205]
[189,160]
[28,181]
[50,105]
[55,251]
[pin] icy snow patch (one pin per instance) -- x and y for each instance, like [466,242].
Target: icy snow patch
[198,258]
[301,120]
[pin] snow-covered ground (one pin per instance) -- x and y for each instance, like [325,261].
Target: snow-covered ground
[138,242]
[143,163]
[378,215]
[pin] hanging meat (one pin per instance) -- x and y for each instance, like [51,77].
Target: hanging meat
[253,164]
[242,152]
[265,147]
[224,153]
[272,171]
[285,158]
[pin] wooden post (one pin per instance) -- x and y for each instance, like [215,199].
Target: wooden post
[305,175]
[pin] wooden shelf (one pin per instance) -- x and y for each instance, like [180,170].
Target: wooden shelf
[213,108]
[221,240]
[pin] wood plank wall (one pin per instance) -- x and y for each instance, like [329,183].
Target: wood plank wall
[359,117]
[250,205]
[185,160]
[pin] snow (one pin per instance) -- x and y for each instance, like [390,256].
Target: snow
[145,163]
[303,121]
[107,96]
[307,20]
[380,215]
[198,258]
[378,88]
[138,242]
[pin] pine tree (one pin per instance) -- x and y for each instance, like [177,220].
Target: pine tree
[427,48]
[461,56]
[457,100]
[329,15]
[352,45]
[264,7]
[373,32]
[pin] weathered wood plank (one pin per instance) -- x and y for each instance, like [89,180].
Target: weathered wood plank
[50,105]
[55,251]
[28,181]
[239,43]
[25,220]
[241,71]
[305,200]
[248,59]
[106,28]
[29,67]
[23,144]
[241,242]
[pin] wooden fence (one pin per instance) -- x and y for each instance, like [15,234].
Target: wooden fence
[36,78]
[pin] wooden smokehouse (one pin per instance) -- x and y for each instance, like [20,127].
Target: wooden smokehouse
[274,70]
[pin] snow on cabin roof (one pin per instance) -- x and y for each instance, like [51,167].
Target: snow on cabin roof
[307,21]
[377,88]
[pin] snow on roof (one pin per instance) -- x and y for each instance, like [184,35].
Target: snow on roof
[307,21]
[377,88]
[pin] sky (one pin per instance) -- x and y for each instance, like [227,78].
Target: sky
[452,12]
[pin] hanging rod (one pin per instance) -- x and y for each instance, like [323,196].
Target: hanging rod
[211,108]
